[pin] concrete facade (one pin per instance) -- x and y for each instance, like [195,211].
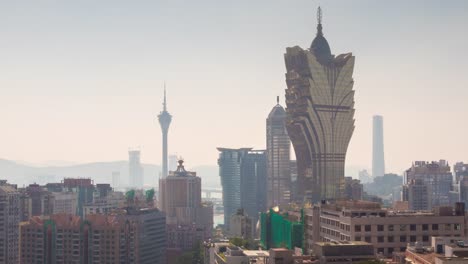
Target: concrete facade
[389,231]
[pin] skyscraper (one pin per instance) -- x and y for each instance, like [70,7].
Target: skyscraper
[9,221]
[436,175]
[320,115]
[278,151]
[135,169]
[254,184]
[243,175]
[378,161]
[229,162]
[164,120]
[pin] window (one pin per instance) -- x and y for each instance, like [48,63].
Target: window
[380,228]
[412,227]
[367,228]
[390,227]
[456,226]
[402,238]
[380,239]
[402,227]
[425,227]
[448,227]
[358,238]
[368,239]
[435,227]
[390,251]
[357,228]
[390,239]
[402,249]
[380,250]
[425,238]
[412,238]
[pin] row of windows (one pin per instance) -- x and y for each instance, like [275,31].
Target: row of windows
[411,227]
[391,239]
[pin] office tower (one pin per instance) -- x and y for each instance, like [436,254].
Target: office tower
[278,150]
[241,225]
[378,161]
[243,175]
[254,183]
[436,175]
[186,216]
[131,235]
[229,162]
[460,170]
[135,169]
[9,220]
[164,120]
[320,116]
[115,179]
[418,195]
[180,195]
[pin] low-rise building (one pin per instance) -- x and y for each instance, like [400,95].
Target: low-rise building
[241,225]
[389,231]
[343,252]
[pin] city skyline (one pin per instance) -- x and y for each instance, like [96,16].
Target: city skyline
[50,90]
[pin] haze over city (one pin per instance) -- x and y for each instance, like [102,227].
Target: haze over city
[82,81]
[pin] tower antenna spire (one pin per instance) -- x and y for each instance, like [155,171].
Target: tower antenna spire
[319,21]
[277,99]
[164,104]
[319,15]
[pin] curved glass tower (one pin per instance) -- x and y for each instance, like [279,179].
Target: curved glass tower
[320,116]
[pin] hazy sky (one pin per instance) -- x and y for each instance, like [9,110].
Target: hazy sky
[83,80]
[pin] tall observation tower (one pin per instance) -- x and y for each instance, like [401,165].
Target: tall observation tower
[164,120]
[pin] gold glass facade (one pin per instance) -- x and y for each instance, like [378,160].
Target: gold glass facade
[320,116]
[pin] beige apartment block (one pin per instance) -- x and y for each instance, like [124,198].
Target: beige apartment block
[389,231]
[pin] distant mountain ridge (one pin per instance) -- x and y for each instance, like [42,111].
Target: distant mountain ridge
[99,172]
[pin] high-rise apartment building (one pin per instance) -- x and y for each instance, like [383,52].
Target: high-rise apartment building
[164,119]
[436,175]
[460,170]
[243,175]
[418,195]
[320,115]
[278,151]
[135,170]
[378,160]
[9,220]
[131,235]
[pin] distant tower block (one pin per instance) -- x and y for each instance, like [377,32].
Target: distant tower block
[165,121]
[378,161]
[135,169]
[115,179]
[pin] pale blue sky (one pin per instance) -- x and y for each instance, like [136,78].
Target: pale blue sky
[82,80]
